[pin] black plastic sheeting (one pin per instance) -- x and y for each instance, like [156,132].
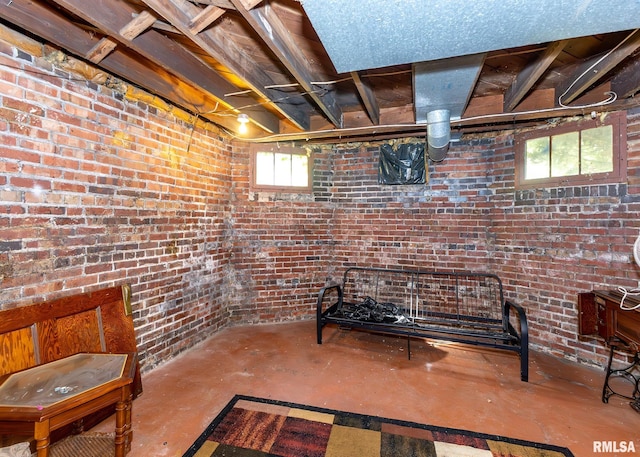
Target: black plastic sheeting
[402,164]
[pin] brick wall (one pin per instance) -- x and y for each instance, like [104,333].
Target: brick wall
[98,188]
[547,245]
[281,247]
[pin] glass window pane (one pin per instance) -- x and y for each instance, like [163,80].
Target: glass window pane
[597,150]
[537,158]
[565,154]
[282,169]
[299,170]
[264,168]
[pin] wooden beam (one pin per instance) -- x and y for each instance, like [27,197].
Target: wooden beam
[368,98]
[627,82]
[248,4]
[206,17]
[217,43]
[495,122]
[101,50]
[137,25]
[596,68]
[52,26]
[225,4]
[526,79]
[109,15]
[276,36]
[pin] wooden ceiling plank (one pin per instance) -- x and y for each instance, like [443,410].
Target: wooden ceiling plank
[50,25]
[108,15]
[216,43]
[595,68]
[138,24]
[249,4]
[627,82]
[101,50]
[203,20]
[494,123]
[527,78]
[224,4]
[276,36]
[368,98]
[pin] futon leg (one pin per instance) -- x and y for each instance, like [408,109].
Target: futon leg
[524,364]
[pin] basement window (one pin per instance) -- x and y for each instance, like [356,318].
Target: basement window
[586,152]
[280,168]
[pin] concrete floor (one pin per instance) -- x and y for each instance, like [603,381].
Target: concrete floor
[443,384]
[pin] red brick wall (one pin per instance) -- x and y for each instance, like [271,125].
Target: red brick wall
[547,245]
[281,247]
[98,189]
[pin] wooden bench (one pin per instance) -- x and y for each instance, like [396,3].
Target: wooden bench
[464,307]
[99,321]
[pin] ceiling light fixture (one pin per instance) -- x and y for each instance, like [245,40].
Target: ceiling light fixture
[243,119]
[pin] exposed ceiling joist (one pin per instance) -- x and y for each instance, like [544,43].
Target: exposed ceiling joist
[528,77]
[55,28]
[275,35]
[206,17]
[627,82]
[268,59]
[368,98]
[595,69]
[214,40]
[109,16]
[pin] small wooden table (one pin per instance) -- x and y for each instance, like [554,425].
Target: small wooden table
[49,396]
[601,314]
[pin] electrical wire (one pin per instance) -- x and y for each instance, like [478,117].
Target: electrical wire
[612,95]
[625,293]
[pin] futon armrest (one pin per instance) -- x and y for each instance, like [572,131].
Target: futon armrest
[523,335]
[524,326]
[321,297]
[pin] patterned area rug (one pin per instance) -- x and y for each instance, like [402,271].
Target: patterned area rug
[256,427]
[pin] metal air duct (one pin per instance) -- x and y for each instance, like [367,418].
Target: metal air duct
[438,134]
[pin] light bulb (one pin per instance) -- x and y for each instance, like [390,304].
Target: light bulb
[243,119]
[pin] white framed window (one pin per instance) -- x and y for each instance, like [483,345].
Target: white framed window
[590,151]
[281,168]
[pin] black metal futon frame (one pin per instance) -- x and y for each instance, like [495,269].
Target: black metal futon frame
[463,307]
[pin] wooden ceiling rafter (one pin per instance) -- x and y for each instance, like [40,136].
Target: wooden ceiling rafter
[278,39]
[214,41]
[627,82]
[218,58]
[138,24]
[528,77]
[594,69]
[49,23]
[160,50]
[368,98]
[205,18]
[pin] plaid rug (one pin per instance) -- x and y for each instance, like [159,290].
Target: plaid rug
[256,427]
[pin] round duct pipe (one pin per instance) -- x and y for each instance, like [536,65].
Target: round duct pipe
[438,134]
